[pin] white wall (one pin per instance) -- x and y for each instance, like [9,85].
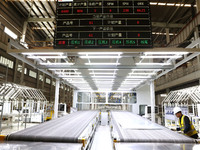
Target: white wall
[143,98]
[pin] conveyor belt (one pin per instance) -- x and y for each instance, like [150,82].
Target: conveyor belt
[39,146]
[133,128]
[156,146]
[64,129]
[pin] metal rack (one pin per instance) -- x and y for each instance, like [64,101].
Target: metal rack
[16,99]
[188,99]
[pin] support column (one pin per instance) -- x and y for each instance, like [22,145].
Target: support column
[51,90]
[56,98]
[198,5]
[24,32]
[167,35]
[15,73]
[44,80]
[22,74]
[74,99]
[38,79]
[152,94]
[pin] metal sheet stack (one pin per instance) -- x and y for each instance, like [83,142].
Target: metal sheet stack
[65,129]
[133,128]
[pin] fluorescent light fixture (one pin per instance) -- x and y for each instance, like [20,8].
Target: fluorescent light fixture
[179,5]
[133,80]
[47,57]
[161,4]
[56,63]
[142,73]
[161,64]
[153,3]
[104,82]
[100,53]
[170,53]
[84,88]
[170,4]
[126,84]
[188,5]
[163,95]
[10,33]
[78,82]
[175,57]
[66,73]
[100,57]
[139,77]
[64,69]
[69,76]
[103,79]
[102,73]
[102,63]
[102,69]
[43,53]
[103,76]
[146,69]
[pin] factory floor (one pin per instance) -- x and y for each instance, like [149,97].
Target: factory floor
[102,139]
[14,127]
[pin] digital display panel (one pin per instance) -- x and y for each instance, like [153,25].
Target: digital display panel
[103,24]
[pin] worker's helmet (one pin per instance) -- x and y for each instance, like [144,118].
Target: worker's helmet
[177,109]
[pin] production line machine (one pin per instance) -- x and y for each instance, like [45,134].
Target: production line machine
[75,130]
[130,132]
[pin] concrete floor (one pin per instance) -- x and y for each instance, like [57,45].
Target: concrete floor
[102,139]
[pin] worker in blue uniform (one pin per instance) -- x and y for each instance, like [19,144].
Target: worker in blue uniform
[185,124]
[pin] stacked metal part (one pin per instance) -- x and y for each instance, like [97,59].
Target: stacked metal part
[65,129]
[133,128]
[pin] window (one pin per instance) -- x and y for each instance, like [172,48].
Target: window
[41,77]
[32,74]
[6,62]
[48,80]
[25,71]
[54,83]
[19,68]
[114,97]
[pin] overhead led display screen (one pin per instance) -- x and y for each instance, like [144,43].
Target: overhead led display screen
[103,24]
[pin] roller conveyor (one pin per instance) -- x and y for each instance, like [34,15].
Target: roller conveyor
[128,127]
[66,129]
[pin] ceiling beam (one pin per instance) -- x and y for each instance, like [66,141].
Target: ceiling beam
[41,19]
[104,67]
[169,25]
[168,49]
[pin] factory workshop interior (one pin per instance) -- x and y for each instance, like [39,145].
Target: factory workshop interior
[99,74]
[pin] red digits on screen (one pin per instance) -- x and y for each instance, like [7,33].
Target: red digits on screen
[138,34]
[141,10]
[61,42]
[95,10]
[125,10]
[91,22]
[64,11]
[110,10]
[79,10]
[90,35]
[138,22]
